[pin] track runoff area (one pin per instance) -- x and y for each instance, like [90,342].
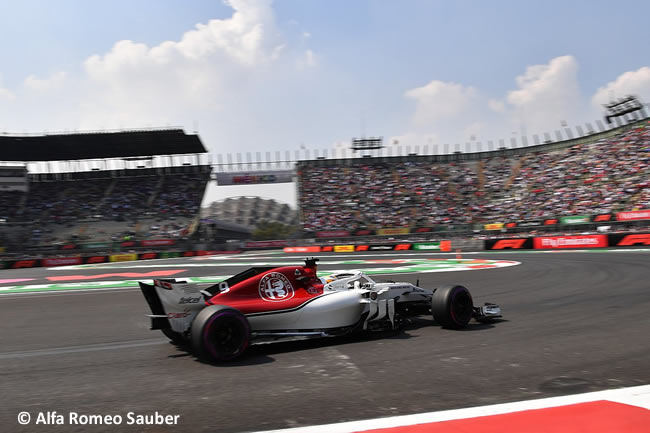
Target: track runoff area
[570,356]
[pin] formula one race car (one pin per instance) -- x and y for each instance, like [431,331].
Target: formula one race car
[263,304]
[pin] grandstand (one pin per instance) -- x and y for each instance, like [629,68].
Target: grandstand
[535,186]
[101,187]
[150,184]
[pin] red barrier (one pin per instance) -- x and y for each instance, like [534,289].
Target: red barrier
[583,241]
[643,214]
[62,261]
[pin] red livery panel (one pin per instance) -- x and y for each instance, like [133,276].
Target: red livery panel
[278,289]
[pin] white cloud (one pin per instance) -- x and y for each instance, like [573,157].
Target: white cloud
[635,83]
[546,95]
[496,105]
[55,81]
[438,101]
[5,94]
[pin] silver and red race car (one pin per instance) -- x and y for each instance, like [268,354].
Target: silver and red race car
[264,304]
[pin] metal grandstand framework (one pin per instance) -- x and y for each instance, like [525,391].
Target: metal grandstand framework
[342,155]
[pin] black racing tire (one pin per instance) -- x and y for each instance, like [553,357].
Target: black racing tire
[220,333]
[452,306]
[175,337]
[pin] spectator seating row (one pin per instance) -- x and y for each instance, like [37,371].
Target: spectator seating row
[604,176]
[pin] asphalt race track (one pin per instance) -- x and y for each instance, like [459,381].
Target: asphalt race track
[574,322]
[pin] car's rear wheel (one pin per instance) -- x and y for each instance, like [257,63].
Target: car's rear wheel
[452,306]
[220,333]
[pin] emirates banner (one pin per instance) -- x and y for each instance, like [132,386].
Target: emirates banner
[582,241]
[633,215]
[62,261]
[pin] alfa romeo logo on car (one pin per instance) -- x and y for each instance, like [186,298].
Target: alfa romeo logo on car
[275,287]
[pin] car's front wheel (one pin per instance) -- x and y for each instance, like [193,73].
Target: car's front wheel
[220,333]
[452,306]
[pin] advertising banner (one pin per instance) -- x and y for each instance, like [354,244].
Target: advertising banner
[633,215]
[157,242]
[364,232]
[97,245]
[62,261]
[95,259]
[122,257]
[602,218]
[21,264]
[384,247]
[575,219]
[581,241]
[509,244]
[68,247]
[423,230]
[127,244]
[550,222]
[265,244]
[255,177]
[495,226]
[2,250]
[427,246]
[531,223]
[327,249]
[343,248]
[311,249]
[169,254]
[511,225]
[628,240]
[147,256]
[332,234]
[394,231]
[361,247]
[402,247]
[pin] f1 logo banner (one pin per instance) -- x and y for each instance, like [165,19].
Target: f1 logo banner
[628,240]
[515,244]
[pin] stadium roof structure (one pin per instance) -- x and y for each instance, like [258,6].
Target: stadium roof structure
[99,145]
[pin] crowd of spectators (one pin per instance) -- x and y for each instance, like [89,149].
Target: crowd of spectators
[156,205]
[604,176]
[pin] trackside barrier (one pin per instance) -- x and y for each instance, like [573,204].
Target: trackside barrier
[629,239]
[421,246]
[87,260]
[563,242]
[122,257]
[570,241]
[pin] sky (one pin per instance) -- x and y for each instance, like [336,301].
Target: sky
[262,76]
